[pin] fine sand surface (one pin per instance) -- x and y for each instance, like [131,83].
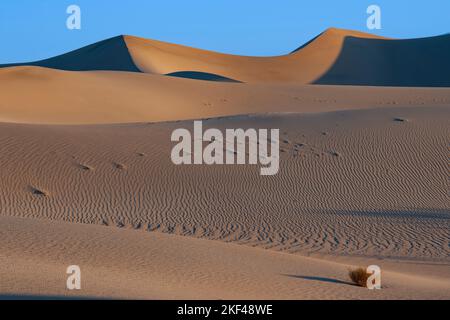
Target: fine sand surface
[361,186]
[41,95]
[86,176]
[350,182]
[119,263]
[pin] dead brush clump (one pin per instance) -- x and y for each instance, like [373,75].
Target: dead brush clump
[359,276]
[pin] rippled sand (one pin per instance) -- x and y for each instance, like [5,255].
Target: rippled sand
[86,177]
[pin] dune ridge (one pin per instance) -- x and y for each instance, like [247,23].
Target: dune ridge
[86,176]
[110,54]
[335,57]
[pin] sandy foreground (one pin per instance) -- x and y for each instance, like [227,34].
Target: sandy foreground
[119,263]
[121,177]
[86,176]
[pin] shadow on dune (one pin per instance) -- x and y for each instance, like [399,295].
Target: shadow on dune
[110,54]
[307,43]
[361,62]
[404,63]
[320,279]
[197,75]
[414,213]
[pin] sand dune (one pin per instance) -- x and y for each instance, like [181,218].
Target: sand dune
[350,182]
[119,97]
[335,57]
[110,54]
[129,264]
[378,62]
[86,176]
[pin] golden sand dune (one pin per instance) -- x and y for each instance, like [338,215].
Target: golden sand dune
[118,263]
[41,95]
[86,176]
[335,57]
[302,66]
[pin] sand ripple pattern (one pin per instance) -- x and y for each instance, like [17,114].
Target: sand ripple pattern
[367,182]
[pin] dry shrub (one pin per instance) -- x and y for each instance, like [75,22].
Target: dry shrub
[359,276]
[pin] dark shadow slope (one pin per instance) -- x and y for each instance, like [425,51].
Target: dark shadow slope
[111,54]
[201,76]
[378,62]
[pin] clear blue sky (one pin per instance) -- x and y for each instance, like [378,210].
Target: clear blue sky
[36,29]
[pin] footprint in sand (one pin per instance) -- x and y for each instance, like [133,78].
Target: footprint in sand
[334,153]
[119,166]
[38,192]
[137,226]
[84,167]
[120,224]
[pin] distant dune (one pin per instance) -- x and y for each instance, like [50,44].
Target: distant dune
[335,57]
[49,96]
[110,54]
[86,175]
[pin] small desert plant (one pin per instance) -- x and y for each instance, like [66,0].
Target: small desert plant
[359,276]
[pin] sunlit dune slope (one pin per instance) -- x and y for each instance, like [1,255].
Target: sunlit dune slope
[334,57]
[41,95]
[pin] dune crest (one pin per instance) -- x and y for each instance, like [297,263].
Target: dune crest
[87,178]
[335,57]
[109,54]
